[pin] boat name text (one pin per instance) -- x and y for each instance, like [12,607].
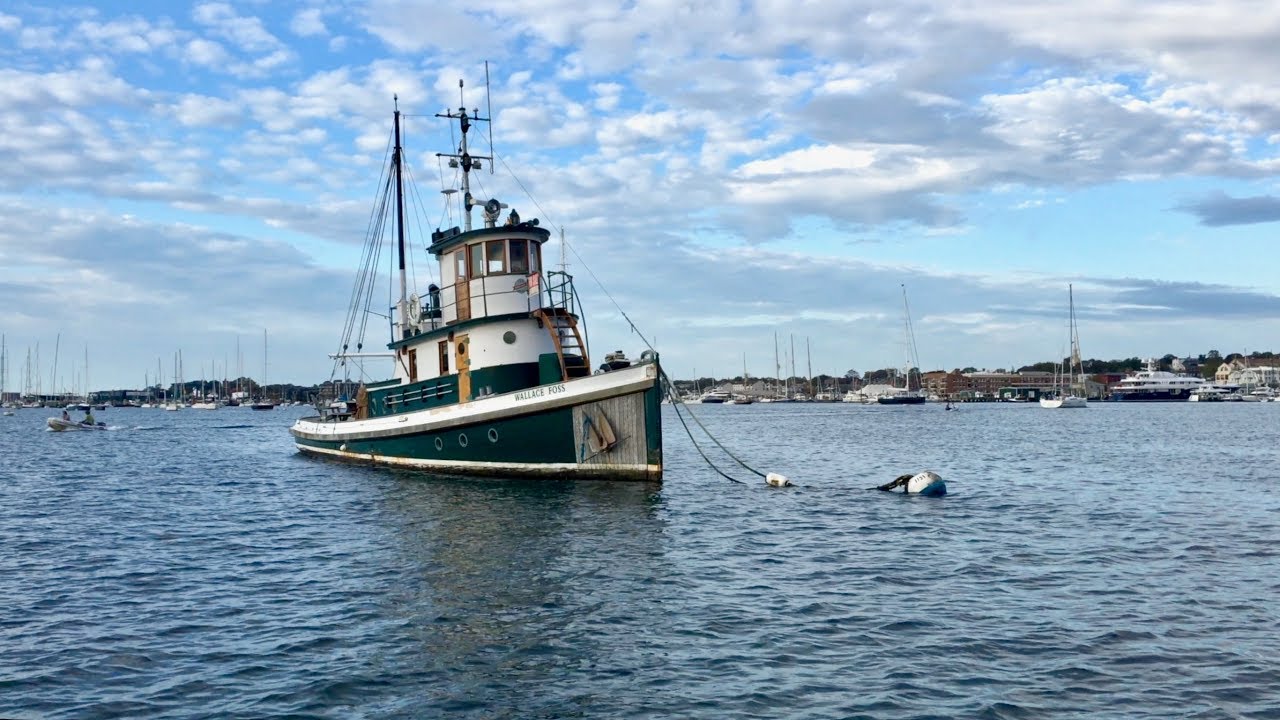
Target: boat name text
[539,392]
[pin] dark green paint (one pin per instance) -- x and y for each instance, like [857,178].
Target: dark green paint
[544,437]
[501,379]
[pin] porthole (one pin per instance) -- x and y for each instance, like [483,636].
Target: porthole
[462,348]
[462,439]
[439,444]
[493,435]
[509,337]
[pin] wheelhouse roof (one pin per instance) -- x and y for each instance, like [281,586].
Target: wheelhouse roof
[442,241]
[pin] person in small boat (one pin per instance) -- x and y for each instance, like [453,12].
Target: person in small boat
[66,415]
[88,418]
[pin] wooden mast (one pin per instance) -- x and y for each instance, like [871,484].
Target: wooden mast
[402,316]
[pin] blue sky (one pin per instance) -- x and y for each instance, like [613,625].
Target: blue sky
[183,176]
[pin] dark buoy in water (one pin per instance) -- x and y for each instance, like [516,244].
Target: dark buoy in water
[926,484]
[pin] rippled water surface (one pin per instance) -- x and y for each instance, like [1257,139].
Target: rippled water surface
[1119,561]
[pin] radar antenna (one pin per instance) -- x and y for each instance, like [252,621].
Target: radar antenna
[463,158]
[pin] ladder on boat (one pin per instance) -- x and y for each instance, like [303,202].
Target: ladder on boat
[570,350]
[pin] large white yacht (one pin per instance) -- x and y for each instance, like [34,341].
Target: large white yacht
[1155,385]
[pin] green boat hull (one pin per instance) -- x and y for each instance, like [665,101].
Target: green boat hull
[607,436]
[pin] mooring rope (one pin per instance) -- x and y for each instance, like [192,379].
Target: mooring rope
[710,463]
[675,402]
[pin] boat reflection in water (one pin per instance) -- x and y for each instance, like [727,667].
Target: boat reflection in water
[509,585]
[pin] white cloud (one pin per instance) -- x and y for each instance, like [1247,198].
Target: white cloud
[206,111]
[247,33]
[308,23]
[207,53]
[608,95]
[133,35]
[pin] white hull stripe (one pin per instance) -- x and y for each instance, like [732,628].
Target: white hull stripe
[512,468]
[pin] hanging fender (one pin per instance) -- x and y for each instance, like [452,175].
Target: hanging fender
[597,434]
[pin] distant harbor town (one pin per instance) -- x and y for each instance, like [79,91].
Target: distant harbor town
[1253,378]
[1210,377]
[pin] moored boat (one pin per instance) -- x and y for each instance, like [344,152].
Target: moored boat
[1066,394]
[906,395]
[1155,385]
[491,368]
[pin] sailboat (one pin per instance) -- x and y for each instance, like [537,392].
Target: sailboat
[905,395]
[491,375]
[1066,397]
[4,376]
[262,403]
[174,403]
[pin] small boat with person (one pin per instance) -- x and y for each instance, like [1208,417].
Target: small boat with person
[65,423]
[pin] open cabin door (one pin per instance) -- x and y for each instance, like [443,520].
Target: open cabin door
[461,285]
[462,361]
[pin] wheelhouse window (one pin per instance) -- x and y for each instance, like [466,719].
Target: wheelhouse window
[459,265]
[535,250]
[519,252]
[444,357]
[477,260]
[496,253]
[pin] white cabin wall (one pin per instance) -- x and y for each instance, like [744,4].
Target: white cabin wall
[502,295]
[488,349]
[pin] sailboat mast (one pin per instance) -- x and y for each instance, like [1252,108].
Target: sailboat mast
[808,360]
[264,363]
[910,339]
[793,362]
[396,162]
[53,379]
[777,366]
[1075,339]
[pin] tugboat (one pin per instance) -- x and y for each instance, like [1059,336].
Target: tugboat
[491,374]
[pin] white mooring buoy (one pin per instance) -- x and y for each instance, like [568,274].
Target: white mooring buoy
[927,483]
[776,480]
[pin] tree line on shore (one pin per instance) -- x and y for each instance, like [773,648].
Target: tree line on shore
[1204,365]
